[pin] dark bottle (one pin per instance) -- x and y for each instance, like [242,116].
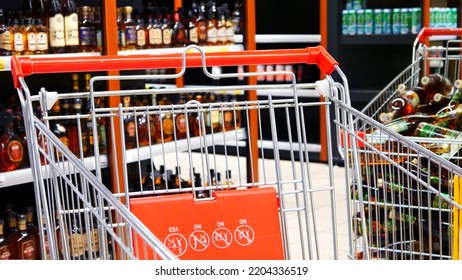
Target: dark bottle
[40,10]
[180,119]
[87,33]
[160,182]
[191,30]
[405,104]
[77,238]
[148,181]
[212,115]
[130,125]
[121,38]
[229,26]
[6,251]
[201,25]
[96,13]
[92,246]
[236,17]
[24,242]
[154,31]
[177,180]
[55,23]
[11,145]
[5,36]
[435,83]
[222,38]
[141,36]
[211,29]
[47,255]
[178,32]
[28,7]
[42,37]
[71,26]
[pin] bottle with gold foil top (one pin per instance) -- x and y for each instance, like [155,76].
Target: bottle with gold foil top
[87,33]
[55,18]
[30,35]
[130,28]
[71,26]
[11,145]
[24,242]
[41,37]
[5,36]
[5,244]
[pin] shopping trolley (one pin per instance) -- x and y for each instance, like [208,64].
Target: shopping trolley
[179,184]
[408,192]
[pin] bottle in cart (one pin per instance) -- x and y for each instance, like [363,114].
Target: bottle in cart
[92,246]
[11,145]
[165,123]
[6,251]
[405,104]
[435,83]
[424,129]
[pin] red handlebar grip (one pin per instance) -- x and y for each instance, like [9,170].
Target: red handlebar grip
[427,32]
[25,66]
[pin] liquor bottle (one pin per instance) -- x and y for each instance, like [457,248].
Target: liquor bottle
[121,37]
[201,25]
[166,32]
[236,17]
[435,83]
[41,36]
[24,243]
[176,182]
[212,115]
[221,28]
[30,224]
[11,145]
[130,126]
[160,182]
[55,23]
[77,238]
[12,224]
[229,26]
[40,10]
[87,32]
[406,125]
[18,40]
[130,28]
[180,119]
[237,112]
[92,246]
[154,31]
[6,251]
[44,232]
[30,36]
[96,13]
[148,181]
[405,104]
[141,42]
[165,123]
[211,29]
[71,26]
[5,36]
[192,36]
[57,127]
[178,31]
[424,129]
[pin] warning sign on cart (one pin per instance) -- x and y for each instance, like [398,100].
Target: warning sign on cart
[237,224]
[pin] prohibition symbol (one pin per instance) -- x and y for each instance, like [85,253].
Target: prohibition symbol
[244,235]
[222,238]
[177,243]
[199,240]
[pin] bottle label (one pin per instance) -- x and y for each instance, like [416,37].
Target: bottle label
[5,253]
[18,42]
[130,35]
[398,126]
[141,38]
[122,38]
[193,37]
[87,36]
[212,35]
[130,129]
[15,151]
[155,36]
[71,23]
[230,34]
[167,125]
[167,36]
[221,35]
[42,41]
[31,41]
[181,123]
[202,31]
[5,41]
[56,30]
[27,250]
[77,244]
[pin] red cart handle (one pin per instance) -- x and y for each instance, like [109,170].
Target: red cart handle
[27,65]
[427,32]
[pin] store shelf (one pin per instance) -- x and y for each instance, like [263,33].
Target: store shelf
[220,138]
[282,38]
[392,39]
[24,175]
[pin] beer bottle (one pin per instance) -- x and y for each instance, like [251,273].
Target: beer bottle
[424,129]
[5,244]
[55,23]
[405,104]
[435,83]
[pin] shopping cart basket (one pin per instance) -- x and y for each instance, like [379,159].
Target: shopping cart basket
[409,185]
[178,180]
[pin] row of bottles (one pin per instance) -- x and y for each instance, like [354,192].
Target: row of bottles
[19,235]
[300,72]
[170,122]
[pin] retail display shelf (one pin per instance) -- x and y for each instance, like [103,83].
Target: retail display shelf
[288,38]
[392,39]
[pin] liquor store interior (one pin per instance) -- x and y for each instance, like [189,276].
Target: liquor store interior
[230,130]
